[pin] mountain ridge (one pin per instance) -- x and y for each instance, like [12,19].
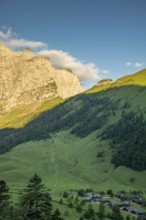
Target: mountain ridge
[26,78]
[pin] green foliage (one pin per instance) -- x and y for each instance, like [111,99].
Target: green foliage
[128,217]
[81,192]
[101,212]
[65,194]
[82,203]
[132,179]
[102,193]
[131,151]
[100,154]
[79,208]
[36,200]
[109,192]
[5,208]
[34,203]
[89,213]
[56,215]
[66,213]
[70,205]
[76,200]
[116,214]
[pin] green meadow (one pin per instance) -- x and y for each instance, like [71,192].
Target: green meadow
[65,162]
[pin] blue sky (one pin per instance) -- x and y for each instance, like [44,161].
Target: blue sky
[103,38]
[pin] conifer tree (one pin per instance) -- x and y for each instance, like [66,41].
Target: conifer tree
[5,208]
[36,200]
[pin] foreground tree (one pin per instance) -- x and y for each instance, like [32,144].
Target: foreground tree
[5,208]
[116,214]
[36,201]
[101,213]
[56,215]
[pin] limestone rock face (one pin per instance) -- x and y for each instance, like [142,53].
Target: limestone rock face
[26,78]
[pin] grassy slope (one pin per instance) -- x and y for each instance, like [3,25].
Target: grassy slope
[21,115]
[76,163]
[75,158]
[138,79]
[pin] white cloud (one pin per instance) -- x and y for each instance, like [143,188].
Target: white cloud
[61,59]
[22,43]
[6,34]
[128,64]
[138,64]
[105,71]
[134,64]
[10,39]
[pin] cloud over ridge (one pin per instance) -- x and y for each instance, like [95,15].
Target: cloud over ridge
[61,59]
[58,58]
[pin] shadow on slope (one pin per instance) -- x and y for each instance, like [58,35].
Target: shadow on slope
[82,115]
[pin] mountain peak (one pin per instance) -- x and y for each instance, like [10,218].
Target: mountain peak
[4,51]
[26,51]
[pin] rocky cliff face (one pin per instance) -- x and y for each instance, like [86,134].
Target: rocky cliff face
[26,78]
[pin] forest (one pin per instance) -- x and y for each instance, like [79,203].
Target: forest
[83,114]
[128,140]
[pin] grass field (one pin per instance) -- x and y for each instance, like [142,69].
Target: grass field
[65,162]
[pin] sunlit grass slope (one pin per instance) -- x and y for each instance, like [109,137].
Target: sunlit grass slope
[138,79]
[65,162]
[21,115]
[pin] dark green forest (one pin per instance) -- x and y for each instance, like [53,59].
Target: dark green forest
[128,139]
[84,114]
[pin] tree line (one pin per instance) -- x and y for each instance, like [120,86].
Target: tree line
[82,114]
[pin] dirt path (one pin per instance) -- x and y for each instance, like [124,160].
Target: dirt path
[56,170]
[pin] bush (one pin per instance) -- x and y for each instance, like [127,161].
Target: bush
[65,195]
[132,179]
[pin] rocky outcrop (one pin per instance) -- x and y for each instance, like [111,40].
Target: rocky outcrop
[104,82]
[26,78]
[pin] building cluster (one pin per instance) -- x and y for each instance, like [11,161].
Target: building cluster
[127,202]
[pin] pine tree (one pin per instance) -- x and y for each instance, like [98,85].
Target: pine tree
[101,212]
[5,209]
[36,200]
[56,215]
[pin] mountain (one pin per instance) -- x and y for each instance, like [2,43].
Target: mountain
[26,78]
[95,139]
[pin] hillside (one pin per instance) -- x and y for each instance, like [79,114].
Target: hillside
[77,137]
[21,115]
[65,162]
[138,79]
